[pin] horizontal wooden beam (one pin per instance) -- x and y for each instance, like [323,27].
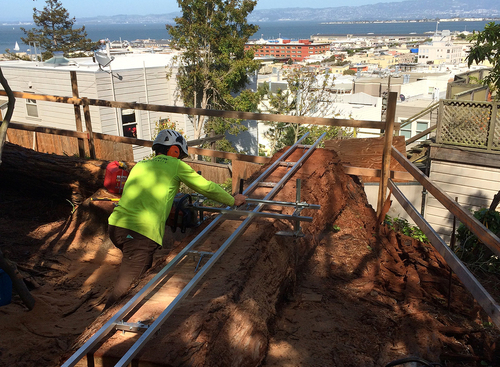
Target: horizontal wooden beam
[485,236]
[203,112]
[373,172]
[144,143]
[480,294]
[227,155]
[117,139]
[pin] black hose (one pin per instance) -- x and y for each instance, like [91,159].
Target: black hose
[412,359]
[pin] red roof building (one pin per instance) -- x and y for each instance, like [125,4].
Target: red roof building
[287,49]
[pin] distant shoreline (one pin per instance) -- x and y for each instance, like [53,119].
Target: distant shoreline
[84,21]
[9,35]
[414,21]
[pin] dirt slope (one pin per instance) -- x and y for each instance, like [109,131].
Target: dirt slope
[357,299]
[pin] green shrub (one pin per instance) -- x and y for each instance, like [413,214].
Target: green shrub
[401,225]
[472,251]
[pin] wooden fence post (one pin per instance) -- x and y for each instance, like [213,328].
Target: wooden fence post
[88,125]
[78,114]
[386,155]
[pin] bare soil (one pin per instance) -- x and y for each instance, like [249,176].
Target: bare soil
[358,298]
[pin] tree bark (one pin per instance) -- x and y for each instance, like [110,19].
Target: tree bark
[73,177]
[10,110]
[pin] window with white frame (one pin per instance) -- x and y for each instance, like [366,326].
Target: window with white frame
[129,123]
[406,130]
[416,127]
[31,107]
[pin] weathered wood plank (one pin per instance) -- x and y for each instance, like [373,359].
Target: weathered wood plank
[68,146]
[372,172]
[386,154]
[366,153]
[421,135]
[242,170]
[218,173]
[227,155]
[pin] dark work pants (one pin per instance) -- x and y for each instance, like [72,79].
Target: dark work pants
[138,251]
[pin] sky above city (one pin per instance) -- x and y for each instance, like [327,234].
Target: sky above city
[23,9]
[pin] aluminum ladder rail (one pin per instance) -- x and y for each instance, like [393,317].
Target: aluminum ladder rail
[134,301]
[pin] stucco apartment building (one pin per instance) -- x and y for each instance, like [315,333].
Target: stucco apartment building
[440,50]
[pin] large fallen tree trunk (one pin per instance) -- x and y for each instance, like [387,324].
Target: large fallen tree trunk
[71,177]
[227,320]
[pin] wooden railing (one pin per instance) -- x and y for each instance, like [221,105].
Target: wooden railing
[90,135]
[486,236]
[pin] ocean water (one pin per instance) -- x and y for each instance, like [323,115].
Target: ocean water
[10,34]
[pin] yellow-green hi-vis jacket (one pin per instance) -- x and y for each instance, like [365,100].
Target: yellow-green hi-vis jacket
[149,192]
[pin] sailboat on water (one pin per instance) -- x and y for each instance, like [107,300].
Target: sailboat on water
[16,47]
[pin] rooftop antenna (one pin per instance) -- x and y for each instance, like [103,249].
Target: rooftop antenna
[33,49]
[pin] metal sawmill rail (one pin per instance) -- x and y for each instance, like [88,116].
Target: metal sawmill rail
[149,332]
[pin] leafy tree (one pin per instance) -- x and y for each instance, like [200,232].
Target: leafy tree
[214,65]
[246,101]
[486,47]
[307,94]
[55,32]
[14,56]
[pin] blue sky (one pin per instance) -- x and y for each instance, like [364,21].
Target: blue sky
[23,9]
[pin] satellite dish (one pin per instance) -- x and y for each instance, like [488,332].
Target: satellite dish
[104,60]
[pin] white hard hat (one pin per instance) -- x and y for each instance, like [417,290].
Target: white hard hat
[168,138]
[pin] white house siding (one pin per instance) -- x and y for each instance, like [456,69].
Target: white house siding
[147,78]
[141,85]
[35,79]
[411,190]
[474,186]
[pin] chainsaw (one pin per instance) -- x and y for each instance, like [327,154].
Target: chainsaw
[182,215]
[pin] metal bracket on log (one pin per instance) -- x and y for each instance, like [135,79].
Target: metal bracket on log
[295,217]
[134,327]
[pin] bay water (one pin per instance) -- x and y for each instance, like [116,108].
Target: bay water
[11,33]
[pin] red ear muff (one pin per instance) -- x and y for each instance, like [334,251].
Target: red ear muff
[174,151]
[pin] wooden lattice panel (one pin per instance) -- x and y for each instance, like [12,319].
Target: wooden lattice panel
[496,132]
[465,123]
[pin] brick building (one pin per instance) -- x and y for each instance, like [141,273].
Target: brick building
[297,50]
